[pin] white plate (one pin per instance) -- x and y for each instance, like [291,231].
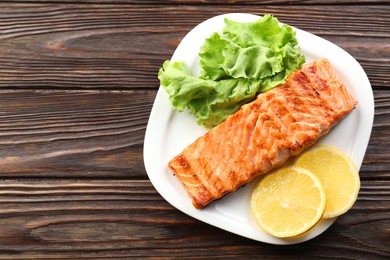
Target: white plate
[169,132]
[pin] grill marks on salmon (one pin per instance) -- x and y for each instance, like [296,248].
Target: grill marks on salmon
[263,134]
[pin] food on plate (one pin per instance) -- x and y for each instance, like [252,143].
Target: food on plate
[338,174]
[288,201]
[263,134]
[322,182]
[243,61]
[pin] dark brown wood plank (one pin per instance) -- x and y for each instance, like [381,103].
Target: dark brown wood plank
[99,134]
[377,160]
[73,133]
[103,219]
[211,2]
[123,46]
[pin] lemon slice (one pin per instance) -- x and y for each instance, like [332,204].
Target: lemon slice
[337,173]
[288,202]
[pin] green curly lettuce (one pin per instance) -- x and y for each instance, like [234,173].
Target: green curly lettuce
[247,59]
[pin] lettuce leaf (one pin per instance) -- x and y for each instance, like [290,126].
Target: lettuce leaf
[210,101]
[211,56]
[264,32]
[247,59]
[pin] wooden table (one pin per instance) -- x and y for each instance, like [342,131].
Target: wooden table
[77,83]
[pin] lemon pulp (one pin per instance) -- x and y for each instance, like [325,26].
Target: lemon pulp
[288,201]
[338,175]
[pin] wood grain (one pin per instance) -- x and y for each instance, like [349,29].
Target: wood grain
[77,84]
[108,218]
[73,133]
[211,2]
[122,47]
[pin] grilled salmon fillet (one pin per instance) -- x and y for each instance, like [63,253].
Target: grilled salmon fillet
[263,134]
